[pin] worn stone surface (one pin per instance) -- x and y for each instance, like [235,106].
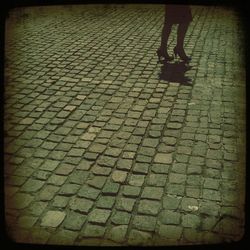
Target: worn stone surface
[53,219]
[119,176]
[139,238]
[171,202]
[111,188]
[149,207]
[63,237]
[93,231]
[74,221]
[163,158]
[81,205]
[19,201]
[136,180]
[99,216]
[118,233]
[121,218]
[144,223]
[48,193]
[26,221]
[106,146]
[154,193]
[170,232]
[125,204]
[131,191]
[170,217]
[88,192]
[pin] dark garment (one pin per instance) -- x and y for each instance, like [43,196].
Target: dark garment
[175,14]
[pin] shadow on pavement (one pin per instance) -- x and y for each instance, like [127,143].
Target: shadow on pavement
[175,72]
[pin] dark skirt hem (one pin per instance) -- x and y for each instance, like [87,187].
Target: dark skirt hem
[176,14]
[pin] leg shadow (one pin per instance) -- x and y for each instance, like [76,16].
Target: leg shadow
[175,72]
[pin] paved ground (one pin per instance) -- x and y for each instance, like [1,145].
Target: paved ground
[100,151]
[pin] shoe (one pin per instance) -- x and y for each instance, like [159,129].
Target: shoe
[181,53]
[161,53]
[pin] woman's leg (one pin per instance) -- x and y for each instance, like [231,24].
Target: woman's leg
[179,49]
[181,33]
[165,35]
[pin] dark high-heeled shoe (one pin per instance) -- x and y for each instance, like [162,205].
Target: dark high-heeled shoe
[181,53]
[163,54]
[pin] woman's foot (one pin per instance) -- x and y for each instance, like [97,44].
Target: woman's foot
[163,54]
[181,53]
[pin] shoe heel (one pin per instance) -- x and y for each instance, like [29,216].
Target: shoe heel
[163,55]
[175,52]
[160,55]
[181,54]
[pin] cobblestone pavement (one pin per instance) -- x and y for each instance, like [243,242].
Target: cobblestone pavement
[99,151]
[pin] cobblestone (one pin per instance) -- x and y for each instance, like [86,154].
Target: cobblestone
[170,231]
[136,180]
[88,192]
[111,188]
[106,202]
[171,202]
[209,208]
[177,178]
[97,182]
[60,201]
[81,205]
[78,177]
[74,221]
[140,238]
[163,158]
[26,221]
[140,168]
[175,189]
[94,231]
[57,179]
[149,207]
[49,165]
[69,189]
[32,185]
[53,219]
[160,168]
[131,191]
[47,193]
[121,218]
[119,176]
[157,180]
[144,223]
[99,216]
[190,220]
[125,204]
[170,217]
[118,233]
[39,236]
[124,164]
[101,149]
[64,169]
[154,193]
